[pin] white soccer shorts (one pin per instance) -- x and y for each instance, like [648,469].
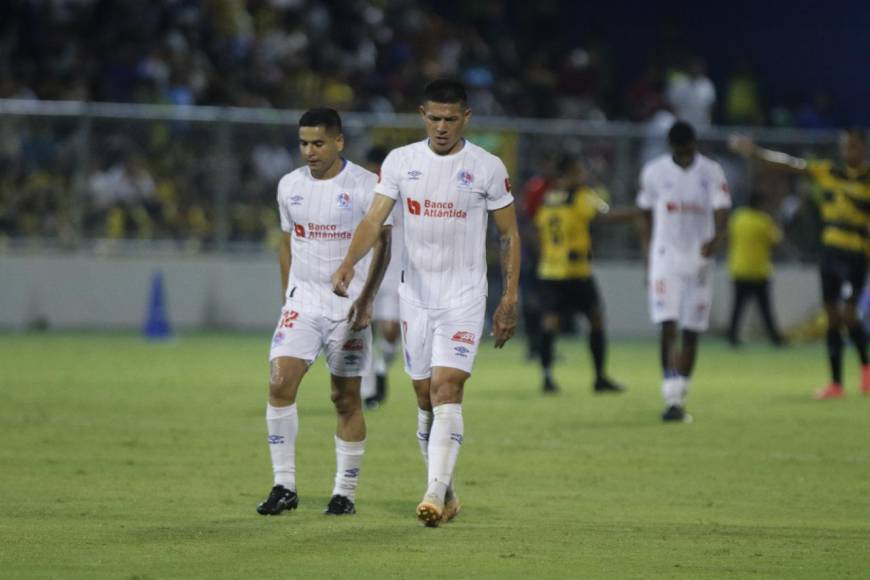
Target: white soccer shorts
[303,336]
[440,337]
[682,297]
[386,306]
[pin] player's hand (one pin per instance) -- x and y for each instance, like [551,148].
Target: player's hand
[504,322]
[360,314]
[741,145]
[708,249]
[341,280]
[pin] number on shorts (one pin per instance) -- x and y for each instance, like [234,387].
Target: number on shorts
[288,317]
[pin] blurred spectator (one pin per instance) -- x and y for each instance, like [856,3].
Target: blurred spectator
[742,97]
[752,233]
[692,95]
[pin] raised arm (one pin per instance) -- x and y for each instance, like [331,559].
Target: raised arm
[360,314]
[746,148]
[284,259]
[504,320]
[618,214]
[365,236]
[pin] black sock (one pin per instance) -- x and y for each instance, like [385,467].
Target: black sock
[835,355]
[546,346]
[859,339]
[598,347]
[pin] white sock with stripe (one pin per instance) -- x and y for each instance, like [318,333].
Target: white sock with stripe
[445,439]
[348,460]
[283,425]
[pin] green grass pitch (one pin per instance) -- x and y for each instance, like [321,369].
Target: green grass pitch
[122,459]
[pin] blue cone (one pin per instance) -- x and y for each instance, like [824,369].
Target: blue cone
[156,325]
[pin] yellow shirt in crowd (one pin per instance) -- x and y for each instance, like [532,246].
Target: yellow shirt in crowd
[751,235]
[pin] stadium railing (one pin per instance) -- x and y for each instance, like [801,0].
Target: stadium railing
[131,178]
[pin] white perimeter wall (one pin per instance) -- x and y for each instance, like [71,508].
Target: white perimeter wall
[72,291]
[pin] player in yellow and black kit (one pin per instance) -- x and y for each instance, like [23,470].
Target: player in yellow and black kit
[844,204]
[566,281]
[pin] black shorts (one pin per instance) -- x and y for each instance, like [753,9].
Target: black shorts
[838,267]
[569,296]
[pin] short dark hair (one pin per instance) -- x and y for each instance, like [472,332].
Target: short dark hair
[857,133]
[446,91]
[681,134]
[321,117]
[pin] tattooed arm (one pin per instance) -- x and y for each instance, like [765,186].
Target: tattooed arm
[504,321]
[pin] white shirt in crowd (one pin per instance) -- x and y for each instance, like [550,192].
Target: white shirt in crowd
[683,202]
[444,201]
[692,99]
[321,215]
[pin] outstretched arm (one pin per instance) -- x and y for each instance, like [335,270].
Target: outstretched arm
[618,214]
[364,238]
[504,321]
[746,148]
[360,314]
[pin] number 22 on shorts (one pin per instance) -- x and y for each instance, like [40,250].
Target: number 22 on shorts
[287,318]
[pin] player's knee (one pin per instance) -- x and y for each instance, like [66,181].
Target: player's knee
[447,391]
[281,385]
[850,315]
[551,323]
[346,401]
[596,320]
[390,332]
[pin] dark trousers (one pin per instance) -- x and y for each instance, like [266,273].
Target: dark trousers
[744,290]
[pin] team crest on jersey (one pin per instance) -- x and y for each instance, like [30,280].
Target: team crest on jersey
[296,200]
[343,200]
[414,175]
[464,179]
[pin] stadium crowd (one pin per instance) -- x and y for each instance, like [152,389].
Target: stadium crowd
[348,54]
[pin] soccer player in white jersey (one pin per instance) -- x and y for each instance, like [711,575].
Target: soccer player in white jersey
[446,187]
[385,316]
[685,200]
[320,206]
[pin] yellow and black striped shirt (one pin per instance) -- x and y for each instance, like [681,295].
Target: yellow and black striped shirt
[563,228]
[844,204]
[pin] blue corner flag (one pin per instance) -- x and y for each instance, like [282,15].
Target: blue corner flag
[156,325]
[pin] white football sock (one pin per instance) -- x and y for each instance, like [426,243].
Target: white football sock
[684,388]
[348,459]
[671,392]
[388,353]
[445,439]
[674,390]
[283,425]
[368,387]
[424,426]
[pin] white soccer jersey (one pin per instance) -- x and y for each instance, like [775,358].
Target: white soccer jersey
[321,215]
[444,200]
[683,202]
